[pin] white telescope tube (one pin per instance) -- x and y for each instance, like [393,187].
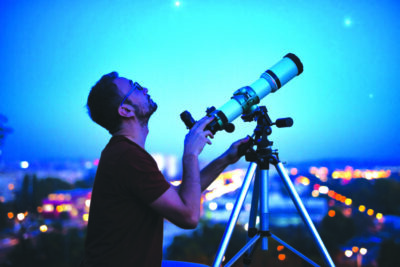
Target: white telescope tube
[245,99]
[269,82]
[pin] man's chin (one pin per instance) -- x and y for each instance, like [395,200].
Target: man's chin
[154,107]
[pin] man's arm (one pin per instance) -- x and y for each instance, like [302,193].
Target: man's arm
[214,169]
[181,205]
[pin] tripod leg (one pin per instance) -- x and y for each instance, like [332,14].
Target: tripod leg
[303,213]
[234,215]
[254,207]
[252,229]
[264,208]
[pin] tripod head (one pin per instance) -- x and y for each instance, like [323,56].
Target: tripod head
[264,154]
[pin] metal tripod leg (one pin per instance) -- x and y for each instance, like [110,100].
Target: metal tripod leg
[303,212]
[234,215]
[260,195]
[252,229]
[264,208]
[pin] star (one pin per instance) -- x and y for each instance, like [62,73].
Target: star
[347,22]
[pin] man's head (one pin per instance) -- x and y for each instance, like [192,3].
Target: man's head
[114,99]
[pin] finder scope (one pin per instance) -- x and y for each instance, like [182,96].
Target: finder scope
[245,99]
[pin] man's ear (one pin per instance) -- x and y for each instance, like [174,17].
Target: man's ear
[126,111]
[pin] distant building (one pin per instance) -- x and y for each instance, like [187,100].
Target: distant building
[73,204]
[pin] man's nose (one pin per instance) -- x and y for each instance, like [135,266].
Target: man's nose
[145,91]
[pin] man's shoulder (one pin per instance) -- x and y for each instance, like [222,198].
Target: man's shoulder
[125,151]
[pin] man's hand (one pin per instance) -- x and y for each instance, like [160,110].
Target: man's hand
[197,137]
[232,155]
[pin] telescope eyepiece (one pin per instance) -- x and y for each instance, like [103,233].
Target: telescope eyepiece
[187,118]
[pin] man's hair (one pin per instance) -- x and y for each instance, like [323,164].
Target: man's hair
[103,102]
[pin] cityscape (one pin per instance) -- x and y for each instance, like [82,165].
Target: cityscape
[356,210]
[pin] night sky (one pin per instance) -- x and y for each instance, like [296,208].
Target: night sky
[195,54]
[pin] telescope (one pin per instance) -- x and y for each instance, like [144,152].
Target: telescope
[245,99]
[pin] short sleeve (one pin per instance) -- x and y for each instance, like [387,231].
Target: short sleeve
[141,175]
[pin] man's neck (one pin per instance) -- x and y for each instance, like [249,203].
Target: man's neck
[136,134]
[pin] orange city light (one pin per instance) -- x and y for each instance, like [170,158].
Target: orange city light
[331,213]
[281,257]
[361,208]
[370,212]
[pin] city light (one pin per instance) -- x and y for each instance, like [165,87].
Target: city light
[318,189]
[176,183]
[370,212]
[10,215]
[24,164]
[280,248]
[88,164]
[363,251]
[20,216]
[349,173]
[48,208]
[348,253]
[213,205]
[281,257]
[315,193]
[331,213]
[347,212]
[225,183]
[85,217]
[320,173]
[64,208]
[302,180]
[323,189]
[43,228]
[229,206]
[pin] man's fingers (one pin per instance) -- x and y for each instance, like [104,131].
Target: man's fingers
[209,134]
[201,124]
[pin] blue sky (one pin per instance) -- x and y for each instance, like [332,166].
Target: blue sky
[195,55]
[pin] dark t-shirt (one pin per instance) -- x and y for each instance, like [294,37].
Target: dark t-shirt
[123,230]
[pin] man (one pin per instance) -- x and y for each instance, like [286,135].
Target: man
[130,196]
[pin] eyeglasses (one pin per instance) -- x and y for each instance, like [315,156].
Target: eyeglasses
[135,85]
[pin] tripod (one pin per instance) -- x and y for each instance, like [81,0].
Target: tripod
[260,160]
